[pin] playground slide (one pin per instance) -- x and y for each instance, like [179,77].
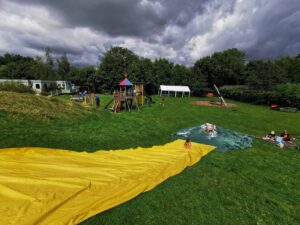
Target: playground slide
[53,187]
[106,106]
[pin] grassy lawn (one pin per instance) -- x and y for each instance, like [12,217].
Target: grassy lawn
[260,185]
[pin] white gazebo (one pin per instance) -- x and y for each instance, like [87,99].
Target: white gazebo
[167,89]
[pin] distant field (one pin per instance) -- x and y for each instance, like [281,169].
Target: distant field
[260,185]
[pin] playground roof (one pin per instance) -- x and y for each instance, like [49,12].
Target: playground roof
[125,82]
[174,88]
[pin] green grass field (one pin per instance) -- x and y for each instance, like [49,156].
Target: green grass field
[260,185]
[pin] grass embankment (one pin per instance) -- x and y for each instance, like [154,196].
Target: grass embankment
[258,186]
[40,107]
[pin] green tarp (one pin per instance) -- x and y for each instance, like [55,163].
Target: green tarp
[224,139]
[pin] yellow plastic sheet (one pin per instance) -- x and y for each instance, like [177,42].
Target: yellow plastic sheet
[47,186]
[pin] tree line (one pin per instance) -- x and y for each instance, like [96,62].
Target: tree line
[224,68]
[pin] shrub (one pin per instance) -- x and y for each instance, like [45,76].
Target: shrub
[287,95]
[12,86]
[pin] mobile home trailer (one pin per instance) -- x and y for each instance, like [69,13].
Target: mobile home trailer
[45,86]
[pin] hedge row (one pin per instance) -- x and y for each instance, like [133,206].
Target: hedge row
[285,95]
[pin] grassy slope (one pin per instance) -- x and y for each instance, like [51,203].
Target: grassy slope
[257,186]
[40,107]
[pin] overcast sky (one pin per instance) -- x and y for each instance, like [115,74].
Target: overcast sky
[180,30]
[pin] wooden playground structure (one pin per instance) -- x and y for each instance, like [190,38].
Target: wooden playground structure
[128,96]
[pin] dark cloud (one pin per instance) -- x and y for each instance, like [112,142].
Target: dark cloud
[56,48]
[277,27]
[120,17]
[263,29]
[182,31]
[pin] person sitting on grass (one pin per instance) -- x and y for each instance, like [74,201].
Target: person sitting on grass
[287,140]
[279,141]
[271,136]
[286,136]
[188,144]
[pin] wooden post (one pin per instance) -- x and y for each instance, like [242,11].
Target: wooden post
[142,94]
[119,101]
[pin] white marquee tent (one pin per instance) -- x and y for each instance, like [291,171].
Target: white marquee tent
[167,89]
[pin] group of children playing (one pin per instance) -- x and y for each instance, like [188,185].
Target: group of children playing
[209,128]
[86,98]
[272,136]
[284,140]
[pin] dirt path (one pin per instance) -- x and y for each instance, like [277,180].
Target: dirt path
[213,104]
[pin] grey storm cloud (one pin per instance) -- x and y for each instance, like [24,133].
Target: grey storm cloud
[124,17]
[278,30]
[182,31]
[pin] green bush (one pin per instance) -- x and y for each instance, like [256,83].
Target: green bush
[286,95]
[12,86]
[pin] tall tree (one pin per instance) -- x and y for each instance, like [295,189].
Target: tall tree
[142,71]
[202,72]
[50,73]
[64,67]
[264,75]
[292,67]
[181,75]
[223,68]
[83,76]
[15,66]
[162,73]
[114,65]
[39,68]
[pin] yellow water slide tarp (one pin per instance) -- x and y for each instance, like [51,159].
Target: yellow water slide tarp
[47,186]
